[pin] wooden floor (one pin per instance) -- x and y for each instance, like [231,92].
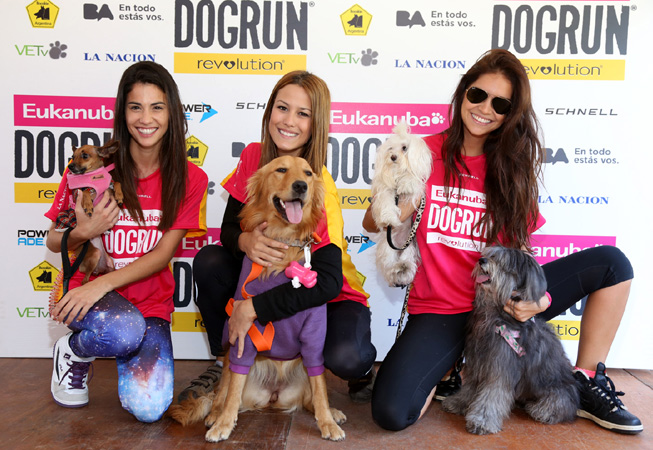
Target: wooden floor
[29,419]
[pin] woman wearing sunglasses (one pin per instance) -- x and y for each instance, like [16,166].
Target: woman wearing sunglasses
[484,191]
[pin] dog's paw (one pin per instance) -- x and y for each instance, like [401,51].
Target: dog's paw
[338,416]
[220,431]
[402,274]
[212,418]
[331,431]
[481,428]
[390,216]
[454,405]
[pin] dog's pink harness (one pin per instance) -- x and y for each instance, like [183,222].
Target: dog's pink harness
[99,179]
[511,338]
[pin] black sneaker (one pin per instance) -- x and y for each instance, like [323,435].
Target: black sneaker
[201,385]
[600,403]
[360,390]
[451,384]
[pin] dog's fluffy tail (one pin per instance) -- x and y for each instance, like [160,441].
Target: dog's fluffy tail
[191,410]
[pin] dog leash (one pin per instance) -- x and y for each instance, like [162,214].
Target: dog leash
[68,269]
[413,230]
[404,310]
[411,236]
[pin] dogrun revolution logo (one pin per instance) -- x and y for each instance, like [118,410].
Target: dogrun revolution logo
[565,30]
[240,25]
[244,25]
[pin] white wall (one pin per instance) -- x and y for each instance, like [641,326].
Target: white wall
[379,58]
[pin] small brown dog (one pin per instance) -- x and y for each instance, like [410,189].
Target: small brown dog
[88,174]
[288,196]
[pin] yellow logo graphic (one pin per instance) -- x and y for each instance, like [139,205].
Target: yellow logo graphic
[238,64]
[187,322]
[355,198]
[43,276]
[356,21]
[196,150]
[567,330]
[42,13]
[575,69]
[35,192]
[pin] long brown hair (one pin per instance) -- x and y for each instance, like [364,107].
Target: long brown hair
[514,154]
[172,156]
[315,150]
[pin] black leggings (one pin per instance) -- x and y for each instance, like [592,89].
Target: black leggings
[348,349]
[431,343]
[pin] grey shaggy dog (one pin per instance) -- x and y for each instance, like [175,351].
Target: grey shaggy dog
[528,367]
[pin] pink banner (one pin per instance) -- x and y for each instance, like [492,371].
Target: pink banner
[547,248]
[380,118]
[190,246]
[68,112]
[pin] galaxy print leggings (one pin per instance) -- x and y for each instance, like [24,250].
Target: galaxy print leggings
[143,351]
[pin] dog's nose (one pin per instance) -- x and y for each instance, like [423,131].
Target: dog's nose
[300,187]
[482,261]
[393,158]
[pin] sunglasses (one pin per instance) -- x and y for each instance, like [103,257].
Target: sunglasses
[499,104]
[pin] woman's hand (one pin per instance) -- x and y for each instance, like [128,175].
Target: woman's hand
[523,311]
[76,303]
[260,249]
[241,320]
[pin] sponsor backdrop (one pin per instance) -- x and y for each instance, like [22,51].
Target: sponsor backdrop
[589,62]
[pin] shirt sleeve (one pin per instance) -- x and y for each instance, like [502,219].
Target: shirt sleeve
[285,300]
[236,182]
[60,197]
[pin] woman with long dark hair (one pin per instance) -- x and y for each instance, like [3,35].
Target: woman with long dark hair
[126,313]
[483,190]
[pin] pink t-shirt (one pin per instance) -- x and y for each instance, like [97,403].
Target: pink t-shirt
[449,243]
[128,241]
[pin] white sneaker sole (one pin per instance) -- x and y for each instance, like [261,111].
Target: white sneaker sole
[627,429]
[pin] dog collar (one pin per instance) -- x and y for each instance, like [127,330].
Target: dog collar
[511,338]
[313,239]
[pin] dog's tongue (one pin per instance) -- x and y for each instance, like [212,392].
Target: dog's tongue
[482,279]
[294,211]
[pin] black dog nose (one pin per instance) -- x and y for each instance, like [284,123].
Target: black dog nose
[393,158]
[482,260]
[300,187]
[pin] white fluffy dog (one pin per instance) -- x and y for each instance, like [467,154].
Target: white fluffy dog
[403,164]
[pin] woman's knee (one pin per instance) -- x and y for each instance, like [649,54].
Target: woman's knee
[348,360]
[619,267]
[147,408]
[389,415]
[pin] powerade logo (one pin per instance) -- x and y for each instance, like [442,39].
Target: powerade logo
[561,29]
[55,111]
[364,241]
[32,238]
[193,110]
[244,25]
[382,117]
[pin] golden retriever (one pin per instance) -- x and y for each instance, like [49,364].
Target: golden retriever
[288,196]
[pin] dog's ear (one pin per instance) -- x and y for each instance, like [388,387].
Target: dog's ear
[108,149]
[401,129]
[74,148]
